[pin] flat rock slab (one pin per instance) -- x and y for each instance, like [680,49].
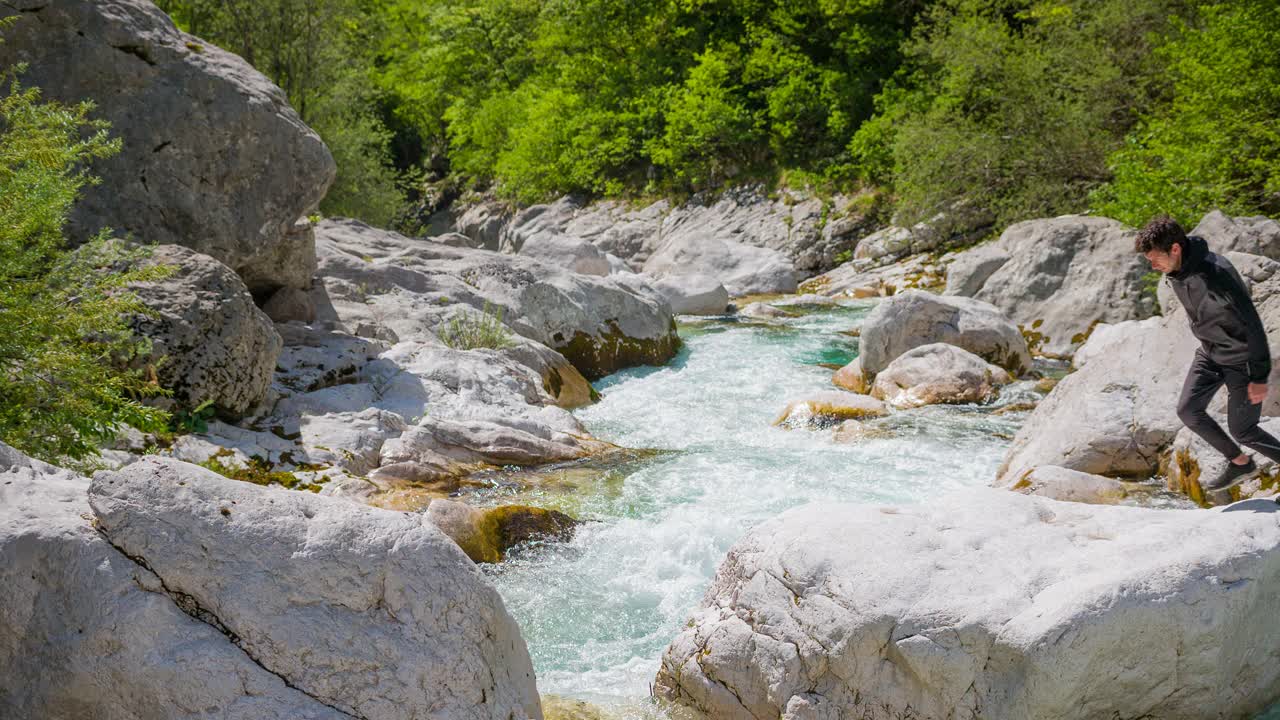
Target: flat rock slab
[989,604]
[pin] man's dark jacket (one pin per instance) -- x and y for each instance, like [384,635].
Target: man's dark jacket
[1221,312]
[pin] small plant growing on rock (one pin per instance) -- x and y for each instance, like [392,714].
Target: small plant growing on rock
[469,331]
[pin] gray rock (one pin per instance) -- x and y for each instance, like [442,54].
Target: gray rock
[484,222]
[693,294]
[454,239]
[1253,235]
[209,341]
[938,373]
[1191,461]
[1117,414]
[914,318]
[865,279]
[988,604]
[379,284]
[374,613]
[1060,483]
[579,256]
[1058,277]
[742,269]
[809,232]
[213,157]
[289,304]
[86,632]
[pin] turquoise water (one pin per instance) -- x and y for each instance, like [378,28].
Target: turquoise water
[598,612]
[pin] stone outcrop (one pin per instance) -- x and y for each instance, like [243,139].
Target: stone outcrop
[1057,277]
[742,269]
[865,279]
[486,535]
[693,294]
[988,604]
[1116,415]
[811,233]
[382,285]
[165,591]
[576,255]
[1256,235]
[213,157]
[914,318]
[209,342]
[1190,460]
[938,373]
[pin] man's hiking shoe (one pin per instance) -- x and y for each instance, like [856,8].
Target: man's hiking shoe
[1232,475]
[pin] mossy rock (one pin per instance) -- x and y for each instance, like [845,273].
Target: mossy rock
[829,408]
[485,535]
[612,350]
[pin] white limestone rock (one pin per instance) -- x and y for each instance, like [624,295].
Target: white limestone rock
[914,318]
[86,632]
[693,294]
[1059,275]
[938,373]
[375,613]
[988,604]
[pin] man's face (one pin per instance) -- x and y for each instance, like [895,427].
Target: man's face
[1165,262]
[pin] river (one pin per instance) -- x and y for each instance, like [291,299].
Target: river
[598,612]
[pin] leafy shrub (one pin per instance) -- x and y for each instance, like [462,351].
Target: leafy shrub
[63,311]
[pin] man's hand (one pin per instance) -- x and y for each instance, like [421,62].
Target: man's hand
[1257,392]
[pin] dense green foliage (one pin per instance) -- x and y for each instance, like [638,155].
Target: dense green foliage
[63,312]
[1217,144]
[1006,108]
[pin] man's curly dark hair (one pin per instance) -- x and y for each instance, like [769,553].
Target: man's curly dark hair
[1160,233]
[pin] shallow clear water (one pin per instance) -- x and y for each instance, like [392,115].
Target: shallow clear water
[598,612]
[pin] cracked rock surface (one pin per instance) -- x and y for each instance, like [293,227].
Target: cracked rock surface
[994,605]
[171,592]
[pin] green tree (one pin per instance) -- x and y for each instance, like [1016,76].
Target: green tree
[1216,144]
[321,53]
[1011,108]
[64,312]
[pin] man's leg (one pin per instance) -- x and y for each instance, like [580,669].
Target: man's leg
[1243,416]
[1203,380]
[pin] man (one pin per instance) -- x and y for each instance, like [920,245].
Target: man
[1233,346]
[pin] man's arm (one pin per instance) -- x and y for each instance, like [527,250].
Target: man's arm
[1259,365]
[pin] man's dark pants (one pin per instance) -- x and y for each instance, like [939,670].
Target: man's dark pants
[1204,379]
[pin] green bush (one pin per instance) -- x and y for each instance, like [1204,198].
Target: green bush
[469,330]
[1217,143]
[64,311]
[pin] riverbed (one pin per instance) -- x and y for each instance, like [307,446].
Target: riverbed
[598,612]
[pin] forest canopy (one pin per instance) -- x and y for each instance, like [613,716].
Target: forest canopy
[1016,108]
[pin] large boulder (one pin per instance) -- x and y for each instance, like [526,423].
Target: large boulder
[1117,413]
[209,342]
[742,269]
[576,255]
[87,632]
[373,613]
[213,157]
[938,373]
[1058,277]
[988,604]
[914,318]
[863,278]
[1255,235]
[693,294]
[382,285]
[180,594]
